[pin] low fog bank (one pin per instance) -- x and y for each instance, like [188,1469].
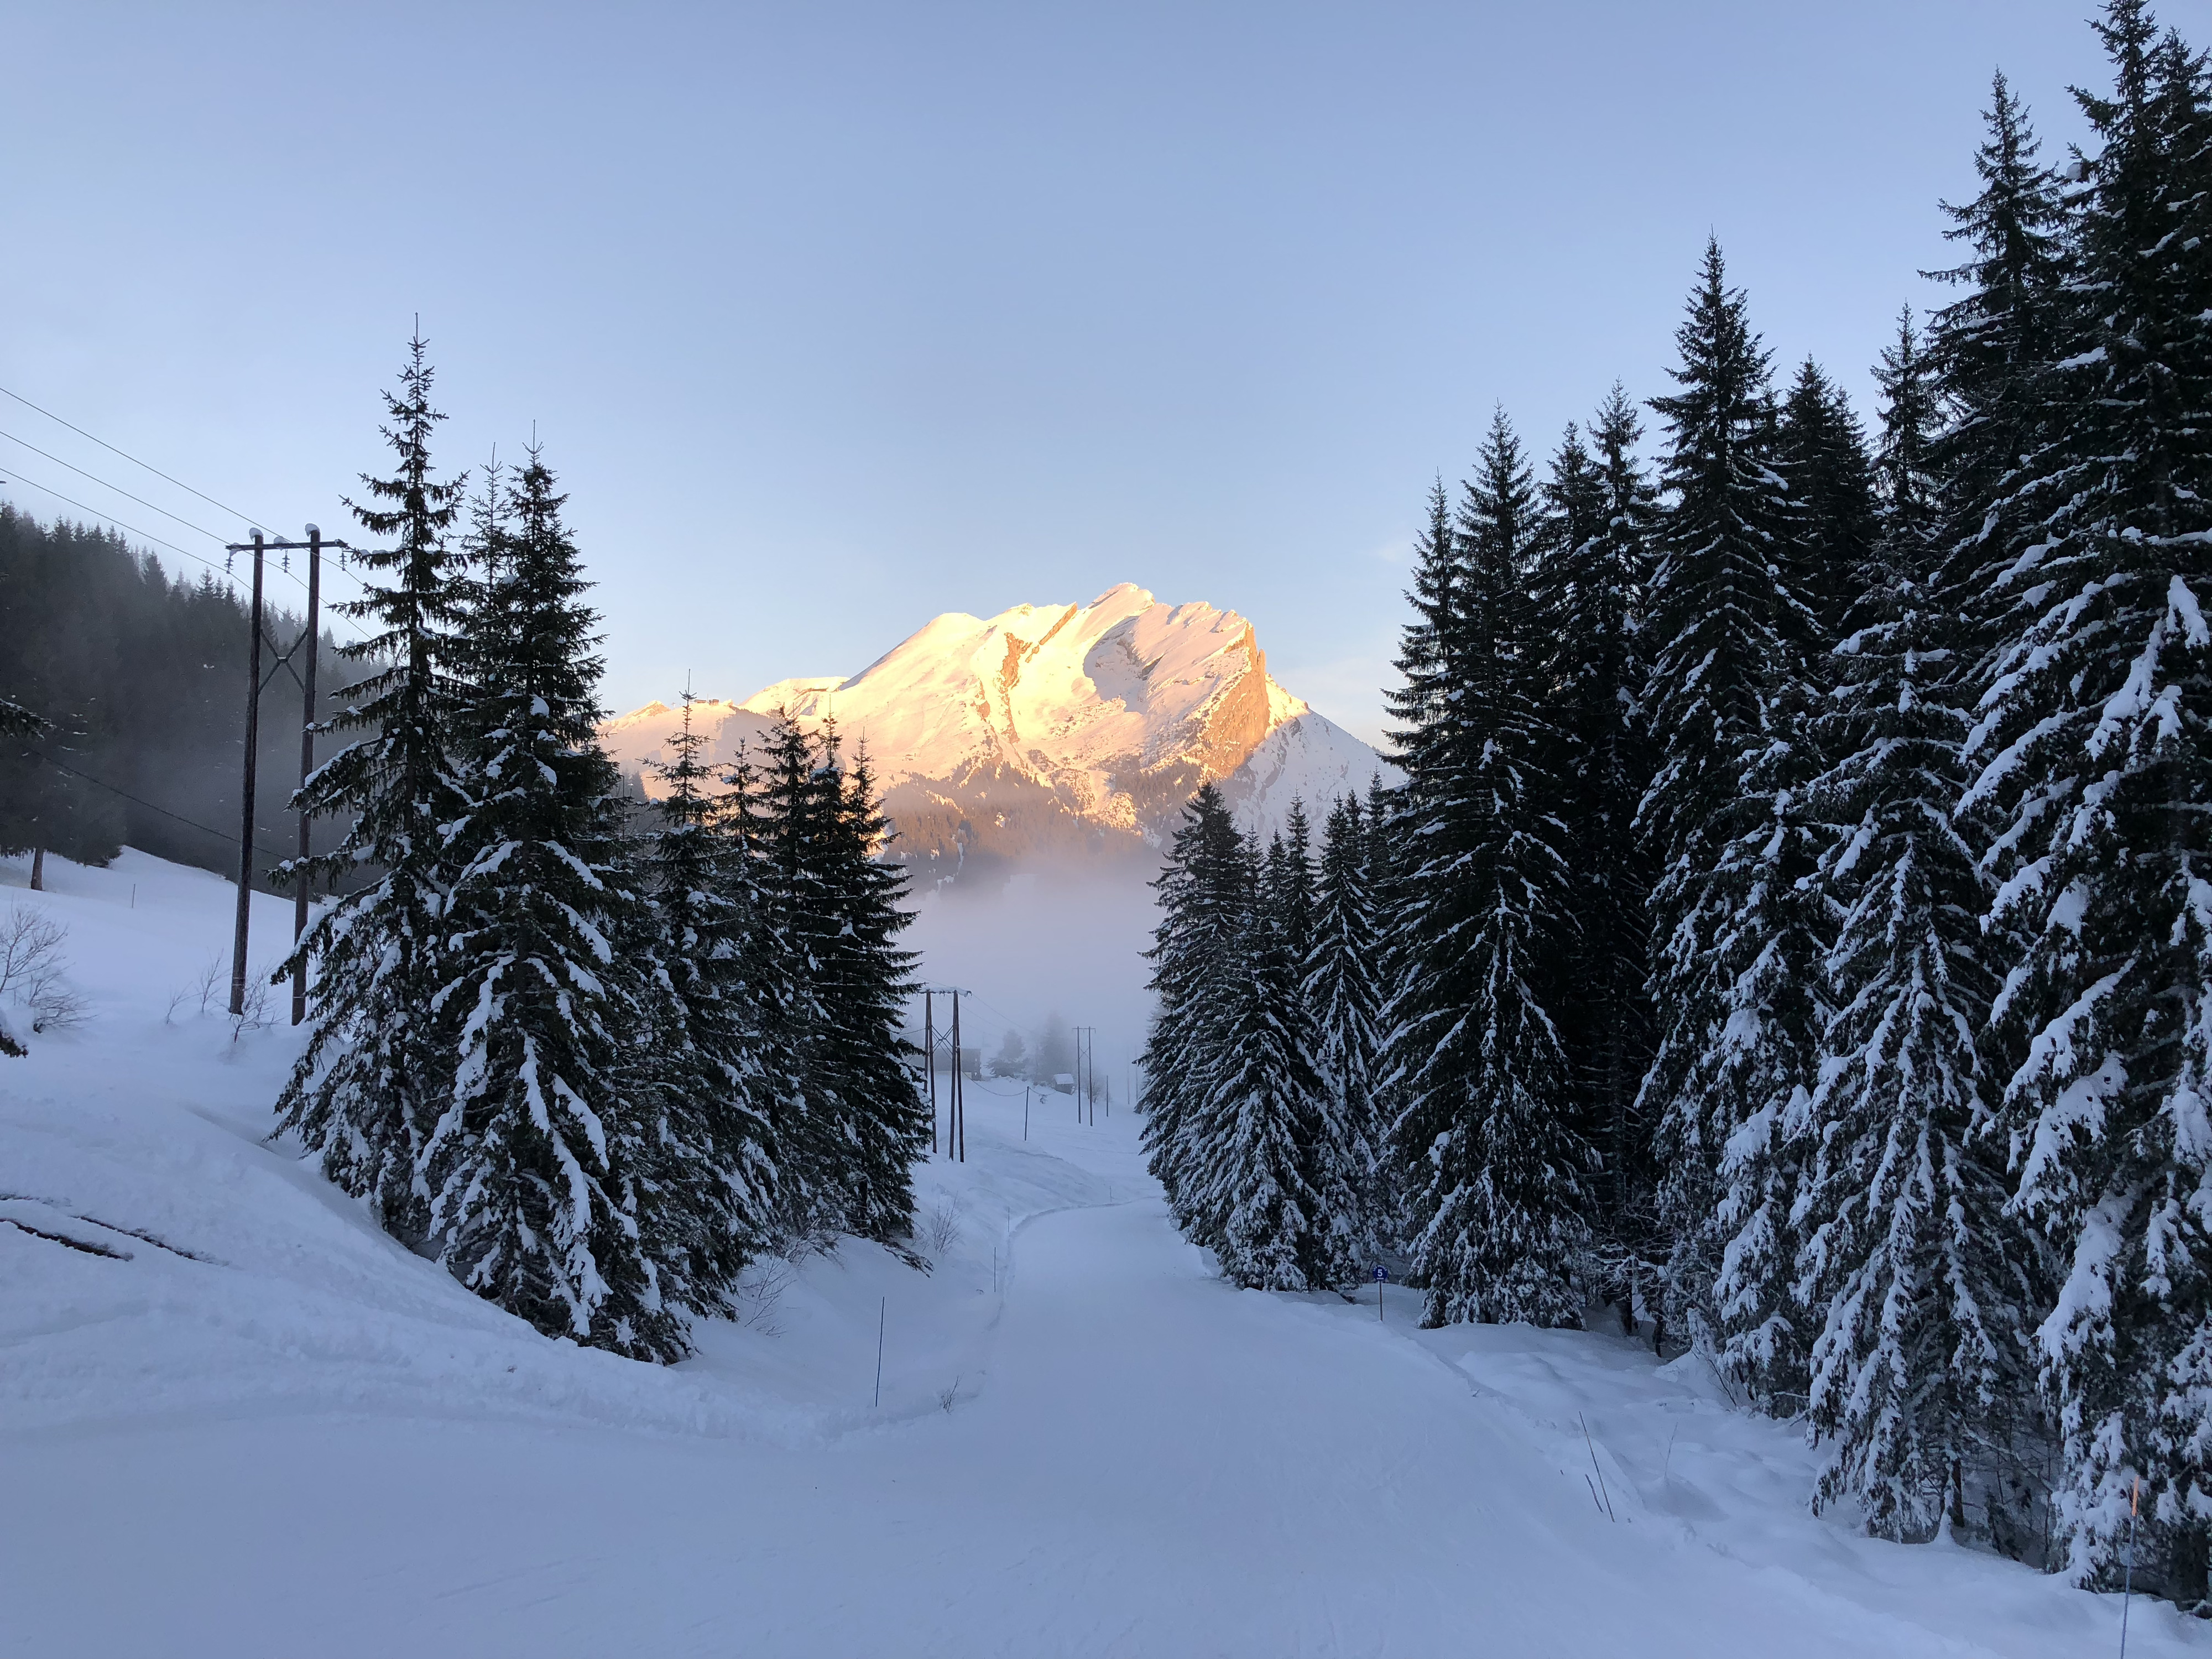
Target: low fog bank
[1048,939]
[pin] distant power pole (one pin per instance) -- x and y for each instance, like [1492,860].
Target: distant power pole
[929,1054]
[1086,1071]
[261,546]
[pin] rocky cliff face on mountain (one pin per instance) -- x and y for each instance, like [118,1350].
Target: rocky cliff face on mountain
[1052,730]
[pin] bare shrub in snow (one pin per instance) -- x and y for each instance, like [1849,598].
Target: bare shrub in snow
[253,1014]
[202,989]
[54,1006]
[797,1244]
[204,981]
[30,945]
[759,1294]
[31,969]
[946,1397]
[942,1225]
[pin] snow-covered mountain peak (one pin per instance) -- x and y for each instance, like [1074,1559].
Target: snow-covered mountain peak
[1044,725]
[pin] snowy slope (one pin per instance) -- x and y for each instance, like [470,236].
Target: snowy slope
[237,1420]
[1053,728]
[1309,758]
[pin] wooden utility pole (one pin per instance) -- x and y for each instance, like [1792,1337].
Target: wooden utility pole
[929,1054]
[306,763]
[959,1094]
[260,547]
[246,793]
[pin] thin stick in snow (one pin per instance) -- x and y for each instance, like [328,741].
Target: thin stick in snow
[882,1307]
[1587,1441]
[2128,1586]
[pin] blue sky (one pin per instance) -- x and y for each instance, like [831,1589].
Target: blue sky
[834,317]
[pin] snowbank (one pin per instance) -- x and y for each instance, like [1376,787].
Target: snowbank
[235,1418]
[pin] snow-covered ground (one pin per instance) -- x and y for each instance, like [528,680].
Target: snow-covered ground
[244,1422]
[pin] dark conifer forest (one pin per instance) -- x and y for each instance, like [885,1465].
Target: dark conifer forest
[140,682]
[1792,940]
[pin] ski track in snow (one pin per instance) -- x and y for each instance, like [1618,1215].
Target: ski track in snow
[298,1438]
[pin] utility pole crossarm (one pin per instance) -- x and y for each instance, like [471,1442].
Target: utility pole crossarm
[261,546]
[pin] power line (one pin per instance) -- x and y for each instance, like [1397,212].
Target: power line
[135,800]
[108,518]
[247,517]
[224,571]
[133,460]
[104,484]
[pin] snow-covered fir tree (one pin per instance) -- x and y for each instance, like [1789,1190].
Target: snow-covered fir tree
[2091,752]
[1907,1264]
[830,981]
[1195,944]
[1820,450]
[17,721]
[1293,886]
[1336,1144]
[1594,565]
[1732,961]
[1496,1175]
[861,1062]
[371,1082]
[1249,1176]
[534,1164]
[713,1170]
[1344,993]
[1990,349]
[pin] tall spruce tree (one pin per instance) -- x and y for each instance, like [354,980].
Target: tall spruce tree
[780,800]
[829,984]
[1591,575]
[713,1174]
[1344,993]
[1496,1174]
[534,1165]
[1821,451]
[1295,886]
[1990,349]
[1730,974]
[2092,755]
[861,1062]
[1195,944]
[1907,1262]
[370,1081]
[1252,1180]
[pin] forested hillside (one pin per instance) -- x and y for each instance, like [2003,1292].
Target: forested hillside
[1795,928]
[141,680]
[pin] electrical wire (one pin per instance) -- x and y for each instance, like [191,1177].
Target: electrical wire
[135,800]
[247,518]
[117,488]
[230,576]
[224,571]
[133,460]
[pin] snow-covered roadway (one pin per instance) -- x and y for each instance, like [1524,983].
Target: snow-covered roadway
[310,1443]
